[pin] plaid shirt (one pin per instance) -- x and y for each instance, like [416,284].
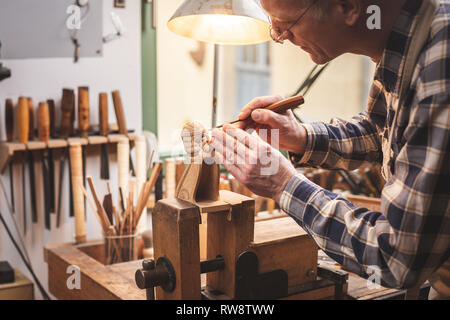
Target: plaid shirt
[405,242]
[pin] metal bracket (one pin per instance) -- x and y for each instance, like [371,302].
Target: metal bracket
[339,278]
[263,286]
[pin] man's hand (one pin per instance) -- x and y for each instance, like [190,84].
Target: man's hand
[292,134]
[261,168]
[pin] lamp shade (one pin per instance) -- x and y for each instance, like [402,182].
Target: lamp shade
[235,22]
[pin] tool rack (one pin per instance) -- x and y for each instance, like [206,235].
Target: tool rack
[8,149]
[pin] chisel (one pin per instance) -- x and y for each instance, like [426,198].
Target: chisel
[51,110]
[51,163]
[34,216]
[66,129]
[22,134]
[104,129]
[44,136]
[120,116]
[83,125]
[77,181]
[9,125]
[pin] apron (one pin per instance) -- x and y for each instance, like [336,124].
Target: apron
[421,31]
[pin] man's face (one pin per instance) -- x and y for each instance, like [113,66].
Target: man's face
[322,39]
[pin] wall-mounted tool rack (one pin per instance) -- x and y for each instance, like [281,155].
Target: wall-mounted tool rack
[8,149]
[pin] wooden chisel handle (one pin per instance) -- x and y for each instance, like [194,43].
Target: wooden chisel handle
[78,200]
[83,111]
[141,171]
[9,120]
[23,115]
[31,119]
[51,110]
[43,122]
[278,107]
[120,115]
[67,110]
[103,113]
[123,164]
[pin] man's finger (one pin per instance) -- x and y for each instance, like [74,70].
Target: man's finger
[230,167]
[269,118]
[258,103]
[241,136]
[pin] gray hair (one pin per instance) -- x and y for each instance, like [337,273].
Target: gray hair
[319,8]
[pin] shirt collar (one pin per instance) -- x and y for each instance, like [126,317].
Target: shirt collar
[389,68]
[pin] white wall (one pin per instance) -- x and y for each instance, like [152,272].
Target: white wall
[184,88]
[41,79]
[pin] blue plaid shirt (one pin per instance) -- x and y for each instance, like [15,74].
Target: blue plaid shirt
[409,239]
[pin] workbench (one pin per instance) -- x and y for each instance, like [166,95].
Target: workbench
[99,281]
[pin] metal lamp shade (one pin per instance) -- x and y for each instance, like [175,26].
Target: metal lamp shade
[233,22]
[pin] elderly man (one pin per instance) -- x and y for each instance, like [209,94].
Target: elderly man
[405,128]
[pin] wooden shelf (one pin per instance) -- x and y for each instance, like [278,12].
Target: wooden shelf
[7,149]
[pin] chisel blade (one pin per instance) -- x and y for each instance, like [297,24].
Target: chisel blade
[34,216]
[46,186]
[104,163]
[51,177]
[62,163]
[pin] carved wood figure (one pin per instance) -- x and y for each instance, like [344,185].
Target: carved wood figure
[200,180]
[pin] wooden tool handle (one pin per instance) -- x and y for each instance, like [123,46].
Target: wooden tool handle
[286,104]
[23,115]
[120,115]
[51,111]
[67,109]
[83,111]
[9,120]
[103,113]
[78,200]
[277,107]
[123,163]
[141,171]
[43,122]
[30,119]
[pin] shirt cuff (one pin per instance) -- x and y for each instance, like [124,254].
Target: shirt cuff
[297,194]
[316,145]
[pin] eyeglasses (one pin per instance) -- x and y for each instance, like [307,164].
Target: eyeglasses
[279,37]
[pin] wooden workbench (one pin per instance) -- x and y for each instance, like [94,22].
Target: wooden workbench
[99,281]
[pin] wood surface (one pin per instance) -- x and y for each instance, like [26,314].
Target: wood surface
[277,240]
[68,110]
[51,110]
[20,289]
[43,116]
[22,120]
[78,198]
[98,281]
[200,180]
[141,171]
[175,236]
[83,111]
[9,120]
[228,235]
[120,114]
[31,119]
[103,113]
[123,164]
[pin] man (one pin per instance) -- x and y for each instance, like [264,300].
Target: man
[405,127]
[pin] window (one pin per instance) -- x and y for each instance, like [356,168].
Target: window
[253,73]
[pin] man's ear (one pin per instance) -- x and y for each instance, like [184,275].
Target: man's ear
[350,10]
